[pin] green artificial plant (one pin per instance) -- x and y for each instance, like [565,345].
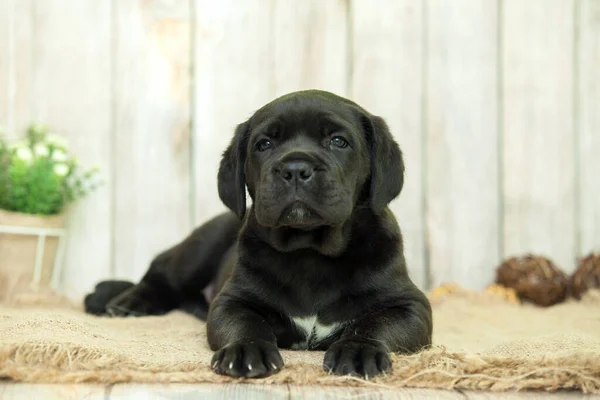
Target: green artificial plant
[38,175]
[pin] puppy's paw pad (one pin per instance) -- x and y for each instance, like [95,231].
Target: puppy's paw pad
[365,359]
[255,359]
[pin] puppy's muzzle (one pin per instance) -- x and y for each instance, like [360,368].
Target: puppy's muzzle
[296,172]
[296,169]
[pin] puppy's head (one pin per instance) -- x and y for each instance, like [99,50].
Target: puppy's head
[309,159]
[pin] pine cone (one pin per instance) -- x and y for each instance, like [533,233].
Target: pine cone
[587,275]
[535,279]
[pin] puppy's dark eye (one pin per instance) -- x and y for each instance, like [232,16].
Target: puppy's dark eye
[263,145]
[338,141]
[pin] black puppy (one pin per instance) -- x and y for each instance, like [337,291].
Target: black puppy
[315,263]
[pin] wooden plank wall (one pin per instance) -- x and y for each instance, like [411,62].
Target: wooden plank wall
[538,137]
[387,74]
[151,130]
[70,89]
[496,105]
[461,139]
[587,124]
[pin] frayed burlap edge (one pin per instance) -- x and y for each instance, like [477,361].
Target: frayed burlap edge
[434,369]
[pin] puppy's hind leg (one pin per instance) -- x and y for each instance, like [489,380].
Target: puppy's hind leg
[123,298]
[152,296]
[177,277]
[95,302]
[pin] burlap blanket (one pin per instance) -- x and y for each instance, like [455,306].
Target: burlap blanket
[481,343]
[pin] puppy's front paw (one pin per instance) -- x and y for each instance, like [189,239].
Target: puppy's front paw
[360,358]
[254,359]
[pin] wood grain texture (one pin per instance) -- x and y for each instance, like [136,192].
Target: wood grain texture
[387,80]
[309,45]
[15,66]
[6,28]
[232,78]
[151,130]
[71,93]
[18,391]
[481,395]
[251,391]
[538,154]
[588,102]
[228,391]
[462,137]
[333,393]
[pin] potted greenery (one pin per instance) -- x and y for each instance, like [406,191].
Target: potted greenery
[39,178]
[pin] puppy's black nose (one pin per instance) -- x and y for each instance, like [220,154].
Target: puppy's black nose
[298,170]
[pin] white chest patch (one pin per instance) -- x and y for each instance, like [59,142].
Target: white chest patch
[314,331]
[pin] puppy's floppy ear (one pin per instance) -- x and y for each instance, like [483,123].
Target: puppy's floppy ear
[231,177]
[387,166]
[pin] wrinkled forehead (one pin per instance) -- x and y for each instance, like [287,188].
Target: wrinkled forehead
[309,114]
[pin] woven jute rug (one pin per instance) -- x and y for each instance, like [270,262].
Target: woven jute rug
[481,342]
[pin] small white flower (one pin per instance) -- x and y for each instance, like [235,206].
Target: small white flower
[41,150]
[24,153]
[93,182]
[56,140]
[59,155]
[61,169]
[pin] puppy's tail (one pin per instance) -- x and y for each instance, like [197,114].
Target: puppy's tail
[95,302]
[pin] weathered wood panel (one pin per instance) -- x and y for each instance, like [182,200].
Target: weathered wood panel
[588,110]
[151,130]
[6,28]
[462,136]
[15,65]
[387,77]
[233,77]
[538,154]
[309,46]
[71,58]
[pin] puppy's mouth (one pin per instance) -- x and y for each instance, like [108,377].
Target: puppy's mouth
[298,215]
